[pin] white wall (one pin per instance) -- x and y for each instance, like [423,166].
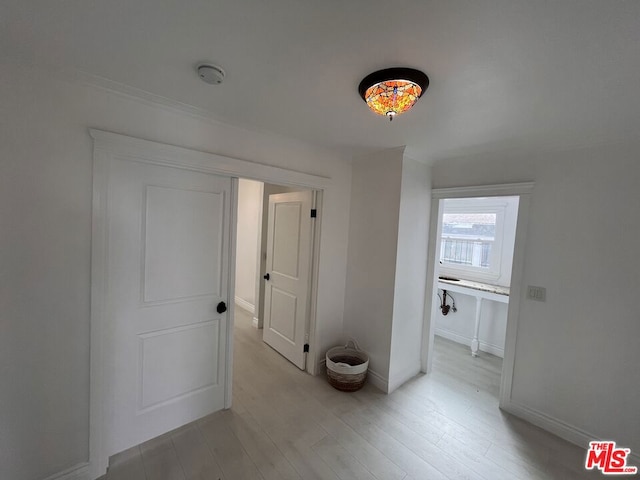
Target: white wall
[459,326]
[386,270]
[411,272]
[577,354]
[371,263]
[248,241]
[45,243]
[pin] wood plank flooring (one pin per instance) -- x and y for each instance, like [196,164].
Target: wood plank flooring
[287,425]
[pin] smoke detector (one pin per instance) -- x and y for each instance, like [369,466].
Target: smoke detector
[211,74]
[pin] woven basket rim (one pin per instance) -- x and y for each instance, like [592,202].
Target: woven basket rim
[347,370]
[347,351]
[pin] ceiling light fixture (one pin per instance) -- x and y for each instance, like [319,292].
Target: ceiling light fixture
[393,91]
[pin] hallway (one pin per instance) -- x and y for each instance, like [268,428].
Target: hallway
[285,424]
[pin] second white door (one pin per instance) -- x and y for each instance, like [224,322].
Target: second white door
[287,279]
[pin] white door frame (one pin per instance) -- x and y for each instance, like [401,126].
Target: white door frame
[522,190]
[109,145]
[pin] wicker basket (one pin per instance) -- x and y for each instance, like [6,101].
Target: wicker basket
[347,367]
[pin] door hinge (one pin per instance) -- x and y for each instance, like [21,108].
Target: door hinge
[314,213]
[305,349]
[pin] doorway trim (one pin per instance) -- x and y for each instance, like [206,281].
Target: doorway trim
[108,145]
[523,191]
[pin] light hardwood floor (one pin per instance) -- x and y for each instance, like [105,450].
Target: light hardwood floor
[285,425]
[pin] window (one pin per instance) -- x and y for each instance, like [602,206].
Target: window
[472,234]
[467,238]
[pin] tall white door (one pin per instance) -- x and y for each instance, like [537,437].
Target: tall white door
[287,276]
[168,258]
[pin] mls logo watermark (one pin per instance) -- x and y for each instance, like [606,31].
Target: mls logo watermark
[609,459]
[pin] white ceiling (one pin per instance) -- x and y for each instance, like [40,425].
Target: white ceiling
[516,75]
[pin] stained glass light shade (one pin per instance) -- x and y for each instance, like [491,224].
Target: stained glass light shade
[393,91]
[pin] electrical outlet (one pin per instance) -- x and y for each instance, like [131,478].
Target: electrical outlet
[537,293]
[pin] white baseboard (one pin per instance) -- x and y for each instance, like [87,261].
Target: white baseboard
[547,422]
[378,381]
[402,379]
[560,428]
[322,367]
[492,349]
[255,322]
[77,472]
[456,337]
[243,304]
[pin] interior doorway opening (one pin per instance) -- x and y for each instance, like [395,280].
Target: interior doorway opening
[474,254]
[475,260]
[276,255]
[163,236]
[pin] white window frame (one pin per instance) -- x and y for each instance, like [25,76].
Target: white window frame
[480,206]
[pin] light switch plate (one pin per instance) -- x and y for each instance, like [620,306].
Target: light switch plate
[537,293]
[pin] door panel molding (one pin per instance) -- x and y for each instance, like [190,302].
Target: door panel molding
[274,323]
[283,262]
[154,207]
[146,346]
